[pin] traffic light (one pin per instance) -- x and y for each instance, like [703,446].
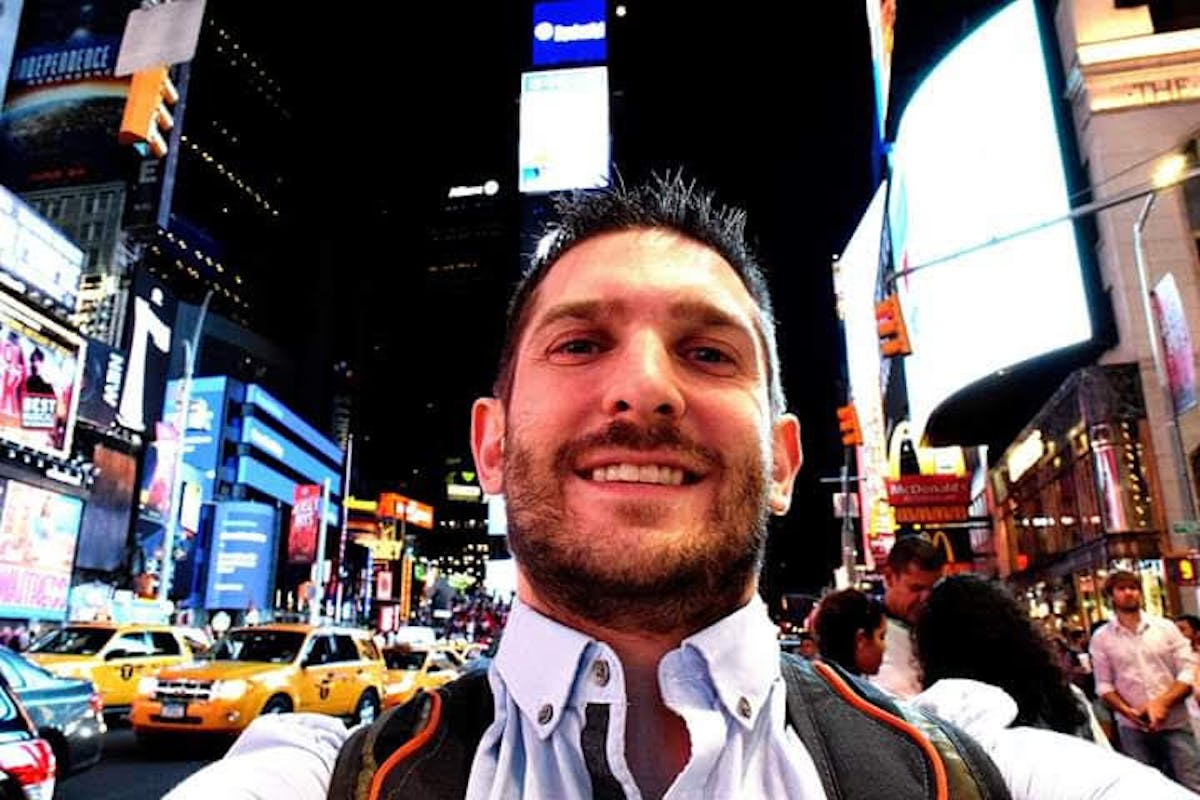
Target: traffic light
[146,115]
[848,423]
[893,333]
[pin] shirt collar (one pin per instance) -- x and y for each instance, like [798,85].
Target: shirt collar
[538,659]
[741,653]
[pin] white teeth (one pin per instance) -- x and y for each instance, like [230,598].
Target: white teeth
[633,473]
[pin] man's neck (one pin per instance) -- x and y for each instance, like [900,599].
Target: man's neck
[1130,619]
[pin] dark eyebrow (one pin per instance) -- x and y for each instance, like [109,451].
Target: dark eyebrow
[583,310]
[590,310]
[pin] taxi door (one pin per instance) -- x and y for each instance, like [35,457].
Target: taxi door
[124,661]
[352,675]
[318,676]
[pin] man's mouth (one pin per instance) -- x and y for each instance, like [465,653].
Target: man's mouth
[663,475]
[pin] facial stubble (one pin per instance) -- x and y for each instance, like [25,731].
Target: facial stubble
[678,583]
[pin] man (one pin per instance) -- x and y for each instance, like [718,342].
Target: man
[638,433]
[1144,671]
[913,566]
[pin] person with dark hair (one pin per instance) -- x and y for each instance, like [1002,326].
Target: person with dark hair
[851,631]
[973,628]
[1144,671]
[808,646]
[1189,626]
[639,434]
[913,566]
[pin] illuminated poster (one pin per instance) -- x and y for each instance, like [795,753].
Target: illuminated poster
[63,105]
[155,497]
[40,369]
[38,531]
[105,530]
[306,513]
[240,564]
[1176,342]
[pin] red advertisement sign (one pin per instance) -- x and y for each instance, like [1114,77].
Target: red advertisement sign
[383,586]
[929,490]
[306,519]
[1177,343]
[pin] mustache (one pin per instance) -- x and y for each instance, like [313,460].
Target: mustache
[627,435]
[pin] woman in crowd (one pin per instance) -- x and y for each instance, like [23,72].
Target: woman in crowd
[850,631]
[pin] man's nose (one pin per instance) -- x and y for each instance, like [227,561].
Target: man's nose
[644,381]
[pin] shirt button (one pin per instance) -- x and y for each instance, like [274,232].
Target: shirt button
[744,708]
[545,714]
[601,672]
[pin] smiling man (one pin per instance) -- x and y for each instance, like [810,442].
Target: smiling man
[639,434]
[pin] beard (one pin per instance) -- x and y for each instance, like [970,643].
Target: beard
[677,583]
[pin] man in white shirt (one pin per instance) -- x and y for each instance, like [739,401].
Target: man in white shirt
[914,565]
[1144,671]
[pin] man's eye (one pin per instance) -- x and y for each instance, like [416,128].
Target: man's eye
[710,355]
[578,347]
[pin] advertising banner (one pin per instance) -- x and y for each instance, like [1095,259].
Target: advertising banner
[569,31]
[306,515]
[1177,343]
[929,490]
[40,371]
[105,531]
[240,559]
[155,498]
[35,253]
[564,141]
[64,104]
[38,532]
[103,379]
[148,343]
[205,426]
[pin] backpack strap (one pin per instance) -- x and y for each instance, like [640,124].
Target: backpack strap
[859,738]
[424,748]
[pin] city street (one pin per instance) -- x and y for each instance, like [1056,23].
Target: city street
[125,773]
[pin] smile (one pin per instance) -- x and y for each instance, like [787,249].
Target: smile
[641,473]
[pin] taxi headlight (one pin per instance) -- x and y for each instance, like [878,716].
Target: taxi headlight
[147,686]
[229,690]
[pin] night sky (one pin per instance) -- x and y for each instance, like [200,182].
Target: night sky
[769,104]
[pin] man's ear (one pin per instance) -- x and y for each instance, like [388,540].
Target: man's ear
[487,443]
[787,456]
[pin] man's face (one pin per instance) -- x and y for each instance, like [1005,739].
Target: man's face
[637,451]
[907,591]
[1127,597]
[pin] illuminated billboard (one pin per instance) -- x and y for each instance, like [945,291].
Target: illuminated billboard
[38,531]
[36,254]
[241,558]
[564,130]
[105,531]
[41,366]
[64,105]
[979,155]
[570,31]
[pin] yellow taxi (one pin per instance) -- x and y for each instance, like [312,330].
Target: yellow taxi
[264,669]
[111,655]
[412,667]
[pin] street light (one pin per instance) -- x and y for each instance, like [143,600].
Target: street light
[1169,172]
[170,530]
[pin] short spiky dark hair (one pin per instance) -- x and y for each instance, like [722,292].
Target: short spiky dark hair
[667,202]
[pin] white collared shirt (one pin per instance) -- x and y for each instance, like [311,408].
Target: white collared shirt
[559,730]
[1142,664]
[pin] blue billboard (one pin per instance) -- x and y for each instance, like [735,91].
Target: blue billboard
[241,557]
[569,32]
[258,476]
[260,398]
[260,436]
[204,437]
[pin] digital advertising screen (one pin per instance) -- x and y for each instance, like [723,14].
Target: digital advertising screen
[569,32]
[979,155]
[564,130]
[38,531]
[106,517]
[41,367]
[148,343]
[64,105]
[101,385]
[241,561]
[35,253]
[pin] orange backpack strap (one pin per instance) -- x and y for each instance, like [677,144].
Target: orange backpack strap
[860,739]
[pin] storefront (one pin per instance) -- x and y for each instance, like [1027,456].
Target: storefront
[1076,496]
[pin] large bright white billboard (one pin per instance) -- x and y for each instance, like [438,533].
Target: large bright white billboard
[564,130]
[978,156]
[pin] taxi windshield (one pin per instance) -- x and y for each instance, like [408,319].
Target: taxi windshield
[273,647]
[73,641]
[404,659]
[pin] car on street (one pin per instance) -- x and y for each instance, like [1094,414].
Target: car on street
[28,769]
[411,668]
[112,656]
[67,712]
[264,669]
